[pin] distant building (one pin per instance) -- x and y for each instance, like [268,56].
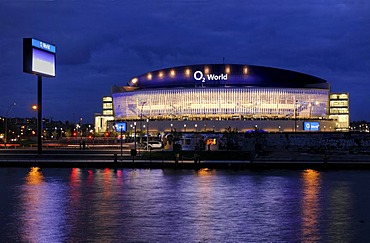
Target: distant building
[101,120]
[360,126]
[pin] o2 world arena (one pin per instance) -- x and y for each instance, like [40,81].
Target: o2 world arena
[217,96]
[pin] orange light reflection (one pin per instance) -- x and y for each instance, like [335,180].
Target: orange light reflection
[206,172]
[310,205]
[34,176]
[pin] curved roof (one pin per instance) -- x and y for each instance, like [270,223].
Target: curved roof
[214,75]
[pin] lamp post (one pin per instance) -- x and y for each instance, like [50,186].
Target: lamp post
[295,115]
[121,130]
[6,124]
[80,127]
[141,122]
[135,135]
[34,107]
[147,133]
[144,127]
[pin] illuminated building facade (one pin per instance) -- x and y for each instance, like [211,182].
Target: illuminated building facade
[221,92]
[101,120]
[339,110]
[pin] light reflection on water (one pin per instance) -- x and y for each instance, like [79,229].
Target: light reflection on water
[40,214]
[310,205]
[107,205]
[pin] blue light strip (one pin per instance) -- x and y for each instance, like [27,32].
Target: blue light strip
[43,45]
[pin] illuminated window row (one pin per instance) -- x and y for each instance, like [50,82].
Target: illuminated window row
[339,111]
[221,102]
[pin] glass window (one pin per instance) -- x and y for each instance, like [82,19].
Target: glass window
[199,102]
[107,99]
[107,105]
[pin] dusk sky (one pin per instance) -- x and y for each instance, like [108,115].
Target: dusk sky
[105,43]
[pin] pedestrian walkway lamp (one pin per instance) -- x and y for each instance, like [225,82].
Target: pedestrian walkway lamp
[295,115]
[135,135]
[147,134]
[141,122]
[121,140]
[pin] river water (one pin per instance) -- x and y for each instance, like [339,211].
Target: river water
[123,205]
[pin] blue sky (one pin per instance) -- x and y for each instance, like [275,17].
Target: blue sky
[105,43]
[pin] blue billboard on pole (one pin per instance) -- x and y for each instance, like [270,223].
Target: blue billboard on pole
[120,126]
[38,57]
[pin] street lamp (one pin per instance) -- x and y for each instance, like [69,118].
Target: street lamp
[135,135]
[184,127]
[147,133]
[6,124]
[121,130]
[141,121]
[196,127]
[34,107]
[295,115]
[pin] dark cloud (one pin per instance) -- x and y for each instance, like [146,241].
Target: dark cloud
[105,43]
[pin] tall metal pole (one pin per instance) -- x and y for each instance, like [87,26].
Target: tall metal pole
[135,135]
[141,127]
[141,122]
[121,142]
[295,115]
[147,134]
[39,114]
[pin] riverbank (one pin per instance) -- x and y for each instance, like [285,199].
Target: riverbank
[235,165]
[258,164]
[187,160]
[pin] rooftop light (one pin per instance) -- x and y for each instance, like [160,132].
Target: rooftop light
[245,70]
[134,80]
[227,70]
[206,70]
[187,72]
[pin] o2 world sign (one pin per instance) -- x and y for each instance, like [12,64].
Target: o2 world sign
[199,76]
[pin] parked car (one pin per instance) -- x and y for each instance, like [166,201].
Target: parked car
[153,145]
